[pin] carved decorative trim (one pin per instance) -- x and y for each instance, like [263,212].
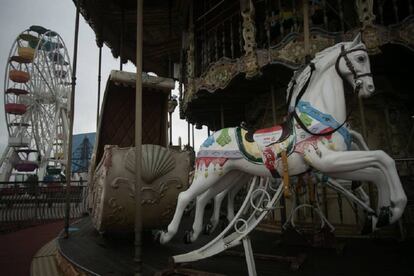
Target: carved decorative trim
[364,10]
[113,190]
[189,88]
[291,51]
[404,33]
[375,36]
[249,37]
[219,74]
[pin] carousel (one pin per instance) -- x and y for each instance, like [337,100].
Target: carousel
[309,102]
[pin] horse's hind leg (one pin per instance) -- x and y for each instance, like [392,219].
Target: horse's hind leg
[199,186]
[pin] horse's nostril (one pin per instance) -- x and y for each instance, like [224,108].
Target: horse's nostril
[370,87]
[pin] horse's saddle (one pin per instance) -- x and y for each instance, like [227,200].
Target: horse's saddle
[253,142]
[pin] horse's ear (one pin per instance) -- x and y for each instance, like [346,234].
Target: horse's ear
[357,40]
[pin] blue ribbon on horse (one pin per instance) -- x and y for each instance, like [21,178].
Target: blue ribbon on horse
[325,119]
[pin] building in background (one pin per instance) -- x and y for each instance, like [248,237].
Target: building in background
[82,147]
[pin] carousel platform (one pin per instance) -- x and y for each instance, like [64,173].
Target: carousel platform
[90,253]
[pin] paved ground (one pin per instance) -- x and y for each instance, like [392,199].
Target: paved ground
[18,248]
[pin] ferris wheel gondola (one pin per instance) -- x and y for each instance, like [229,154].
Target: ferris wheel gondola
[36,103]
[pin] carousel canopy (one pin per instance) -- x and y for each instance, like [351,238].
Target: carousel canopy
[114,23]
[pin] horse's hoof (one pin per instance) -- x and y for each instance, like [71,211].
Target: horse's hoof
[208,229]
[187,237]
[368,226]
[384,217]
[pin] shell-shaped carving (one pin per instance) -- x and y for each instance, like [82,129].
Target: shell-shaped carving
[156,161]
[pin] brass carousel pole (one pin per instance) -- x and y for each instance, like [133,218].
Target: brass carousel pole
[306,29]
[192,136]
[138,141]
[71,113]
[188,133]
[99,83]
[274,117]
[121,40]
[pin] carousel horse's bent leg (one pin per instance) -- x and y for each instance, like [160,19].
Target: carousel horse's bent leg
[230,198]
[227,181]
[359,141]
[199,186]
[215,217]
[336,162]
[218,200]
[231,193]
[376,176]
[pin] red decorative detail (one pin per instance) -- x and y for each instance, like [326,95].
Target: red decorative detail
[17,91]
[268,130]
[270,160]
[312,140]
[20,59]
[26,166]
[16,109]
[208,160]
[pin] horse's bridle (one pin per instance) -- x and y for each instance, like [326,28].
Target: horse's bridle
[344,54]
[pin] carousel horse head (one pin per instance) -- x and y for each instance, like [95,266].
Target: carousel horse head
[353,66]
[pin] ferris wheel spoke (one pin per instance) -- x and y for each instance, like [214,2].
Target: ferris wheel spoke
[44,79]
[47,112]
[29,85]
[46,59]
[51,140]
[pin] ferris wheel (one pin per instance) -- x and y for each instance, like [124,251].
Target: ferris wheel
[37,91]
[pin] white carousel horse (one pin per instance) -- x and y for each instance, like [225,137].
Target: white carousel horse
[315,137]
[362,199]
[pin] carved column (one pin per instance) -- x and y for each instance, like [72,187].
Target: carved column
[369,32]
[249,36]
[365,14]
[190,60]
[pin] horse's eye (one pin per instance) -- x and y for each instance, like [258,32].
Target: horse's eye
[361,59]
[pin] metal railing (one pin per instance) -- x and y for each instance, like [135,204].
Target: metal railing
[28,203]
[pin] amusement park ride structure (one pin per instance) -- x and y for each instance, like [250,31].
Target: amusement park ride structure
[36,102]
[235,60]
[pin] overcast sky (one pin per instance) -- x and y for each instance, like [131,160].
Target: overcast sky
[17,16]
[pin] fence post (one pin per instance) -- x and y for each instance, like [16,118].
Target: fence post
[36,192]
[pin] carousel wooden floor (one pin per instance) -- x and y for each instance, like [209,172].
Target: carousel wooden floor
[113,256]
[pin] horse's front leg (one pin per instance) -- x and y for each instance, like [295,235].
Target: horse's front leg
[218,200]
[200,184]
[222,184]
[376,176]
[352,162]
[215,217]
